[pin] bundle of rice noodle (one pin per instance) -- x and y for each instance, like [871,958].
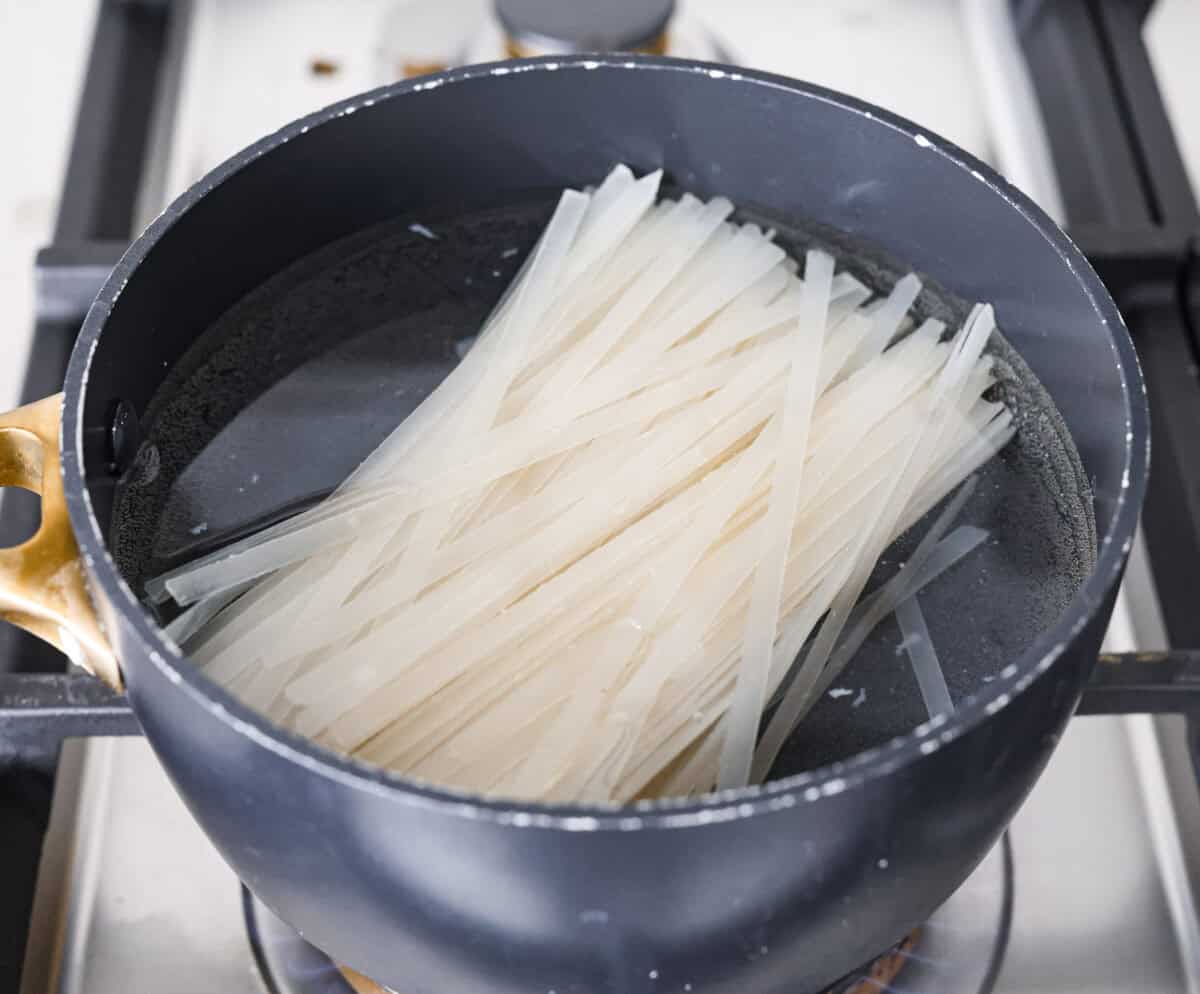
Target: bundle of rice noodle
[581,569]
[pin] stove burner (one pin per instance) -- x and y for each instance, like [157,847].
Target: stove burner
[882,971]
[958,951]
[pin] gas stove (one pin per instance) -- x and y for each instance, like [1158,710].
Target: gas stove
[1093,888]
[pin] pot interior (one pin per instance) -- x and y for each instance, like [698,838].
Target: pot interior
[295,313]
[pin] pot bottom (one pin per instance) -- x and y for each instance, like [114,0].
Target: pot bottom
[958,951]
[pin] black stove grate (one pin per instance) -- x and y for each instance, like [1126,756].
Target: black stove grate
[95,223]
[1130,207]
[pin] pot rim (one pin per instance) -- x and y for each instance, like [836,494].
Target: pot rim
[807,787]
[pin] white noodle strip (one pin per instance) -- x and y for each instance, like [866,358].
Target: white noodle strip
[250,559]
[725,333]
[886,321]
[432,414]
[992,439]
[688,626]
[264,600]
[851,332]
[916,562]
[615,207]
[332,694]
[527,434]
[423,625]
[605,228]
[517,334]
[944,395]
[599,290]
[518,444]
[811,552]
[574,528]
[574,721]
[258,614]
[745,265]
[947,553]
[874,609]
[923,656]
[847,287]
[411,722]
[741,721]
[684,781]
[653,468]
[700,223]
[181,628]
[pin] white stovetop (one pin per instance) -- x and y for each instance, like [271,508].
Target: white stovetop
[44,52]
[1106,924]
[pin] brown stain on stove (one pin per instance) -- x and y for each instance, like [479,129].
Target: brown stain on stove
[412,68]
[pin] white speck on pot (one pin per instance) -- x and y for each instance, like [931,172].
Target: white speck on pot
[835,786]
[200,529]
[424,232]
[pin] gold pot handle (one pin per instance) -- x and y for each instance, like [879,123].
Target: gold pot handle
[42,584]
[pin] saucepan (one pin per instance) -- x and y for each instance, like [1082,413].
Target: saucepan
[282,315]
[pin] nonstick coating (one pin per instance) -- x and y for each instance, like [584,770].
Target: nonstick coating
[328,356]
[778,889]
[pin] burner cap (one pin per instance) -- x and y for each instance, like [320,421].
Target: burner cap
[881,972]
[551,27]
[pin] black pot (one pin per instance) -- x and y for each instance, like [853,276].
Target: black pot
[785,887]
